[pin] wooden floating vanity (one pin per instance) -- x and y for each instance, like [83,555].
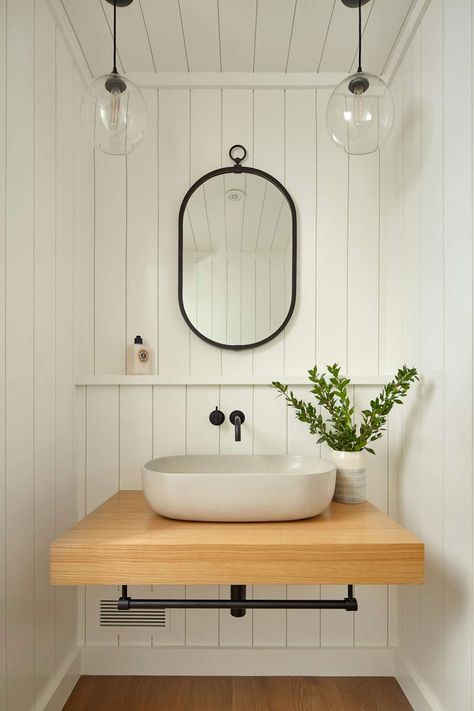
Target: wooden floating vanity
[125,542]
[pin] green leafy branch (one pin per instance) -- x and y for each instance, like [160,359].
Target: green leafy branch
[338,429]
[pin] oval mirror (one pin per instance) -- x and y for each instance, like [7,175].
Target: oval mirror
[237,256]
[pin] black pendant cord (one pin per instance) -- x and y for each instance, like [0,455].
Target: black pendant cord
[114,70]
[360,36]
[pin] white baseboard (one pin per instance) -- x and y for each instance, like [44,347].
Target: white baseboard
[417,691]
[55,694]
[201,661]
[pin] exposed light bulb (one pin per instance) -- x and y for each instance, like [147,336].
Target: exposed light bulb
[111,111]
[114,110]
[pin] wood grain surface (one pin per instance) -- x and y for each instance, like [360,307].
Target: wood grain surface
[101,693]
[124,541]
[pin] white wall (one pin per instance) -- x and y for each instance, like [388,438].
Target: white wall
[39,237]
[340,316]
[426,189]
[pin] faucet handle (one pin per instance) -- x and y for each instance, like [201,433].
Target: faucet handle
[216,417]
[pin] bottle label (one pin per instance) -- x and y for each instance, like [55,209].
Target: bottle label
[143,355]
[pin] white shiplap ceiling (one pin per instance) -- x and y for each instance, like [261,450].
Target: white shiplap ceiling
[236,35]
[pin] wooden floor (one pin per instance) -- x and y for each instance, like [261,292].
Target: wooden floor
[154,693]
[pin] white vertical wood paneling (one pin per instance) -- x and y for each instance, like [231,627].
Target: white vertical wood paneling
[163,21]
[142,235]
[458,281]
[391,305]
[430,187]
[102,445]
[431,341]
[90,24]
[136,434]
[39,206]
[110,264]
[273,34]
[331,272]
[310,28]
[169,421]
[340,46]
[201,34]
[269,155]
[133,45]
[44,348]
[205,155]
[363,261]
[237,48]
[19,362]
[410,475]
[83,239]
[173,177]
[64,336]
[220,35]
[237,127]
[380,33]
[3,146]
[391,230]
[300,147]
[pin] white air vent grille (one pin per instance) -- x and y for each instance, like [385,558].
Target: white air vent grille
[110,616]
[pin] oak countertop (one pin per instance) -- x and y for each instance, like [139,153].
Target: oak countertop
[124,542]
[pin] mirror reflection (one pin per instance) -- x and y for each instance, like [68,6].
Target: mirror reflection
[237,254]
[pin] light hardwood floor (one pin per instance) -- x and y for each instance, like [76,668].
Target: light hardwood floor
[154,693]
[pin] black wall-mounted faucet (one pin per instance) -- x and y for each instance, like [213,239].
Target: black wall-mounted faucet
[237,418]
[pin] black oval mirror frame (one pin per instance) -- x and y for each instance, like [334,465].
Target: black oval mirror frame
[237,168]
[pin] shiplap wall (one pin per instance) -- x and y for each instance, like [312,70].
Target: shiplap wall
[339,314]
[40,178]
[427,199]
[341,311]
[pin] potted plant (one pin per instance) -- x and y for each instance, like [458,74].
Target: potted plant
[337,429]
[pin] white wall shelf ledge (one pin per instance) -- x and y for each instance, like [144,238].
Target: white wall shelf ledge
[301,379]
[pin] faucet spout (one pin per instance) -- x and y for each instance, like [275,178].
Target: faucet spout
[237,418]
[238,429]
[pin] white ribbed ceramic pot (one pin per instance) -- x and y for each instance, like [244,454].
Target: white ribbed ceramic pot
[350,477]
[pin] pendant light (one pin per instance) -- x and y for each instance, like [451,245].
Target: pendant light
[360,111]
[113,108]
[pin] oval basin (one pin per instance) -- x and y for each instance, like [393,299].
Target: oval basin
[238,487]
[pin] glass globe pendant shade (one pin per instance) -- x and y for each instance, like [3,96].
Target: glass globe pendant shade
[114,114]
[360,113]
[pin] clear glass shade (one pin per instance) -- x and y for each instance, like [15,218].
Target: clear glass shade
[114,114]
[360,113]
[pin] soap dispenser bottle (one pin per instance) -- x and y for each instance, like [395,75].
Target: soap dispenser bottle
[139,358]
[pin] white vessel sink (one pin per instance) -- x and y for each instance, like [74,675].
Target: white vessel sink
[238,487]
